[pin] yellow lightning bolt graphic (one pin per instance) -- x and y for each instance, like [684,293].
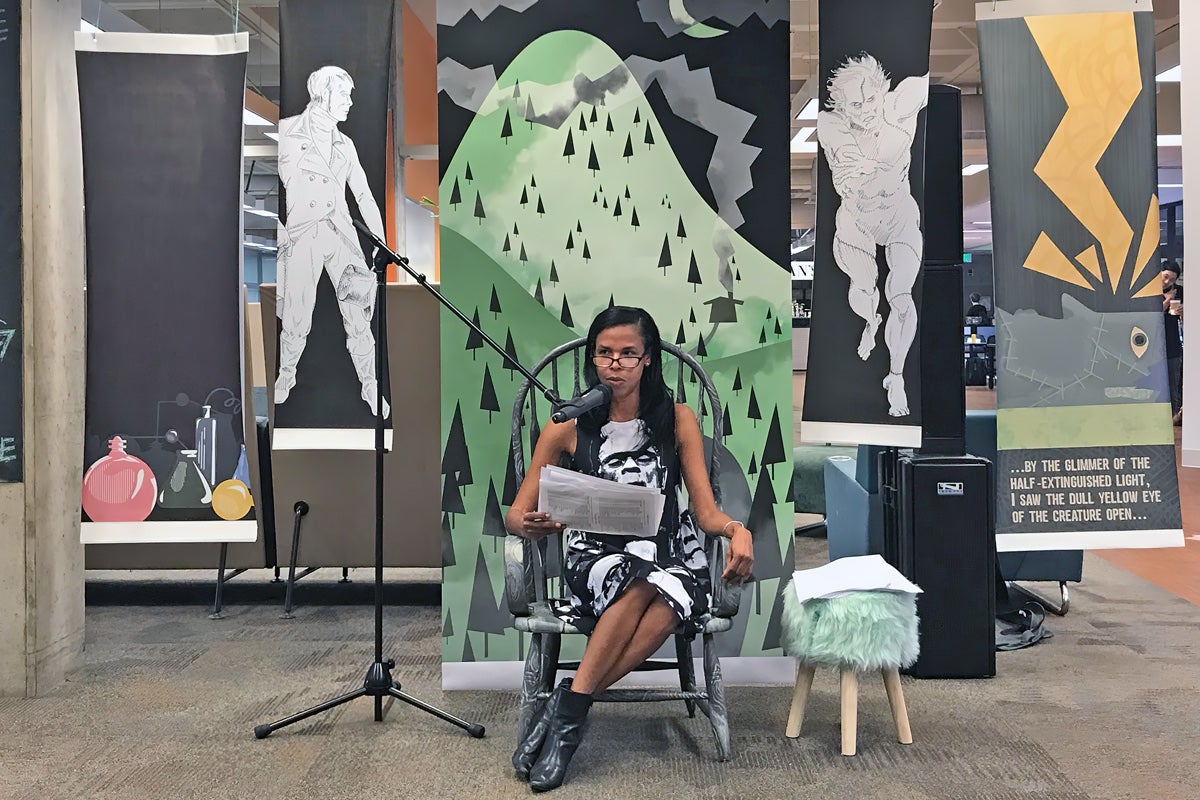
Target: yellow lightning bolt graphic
[1094,60]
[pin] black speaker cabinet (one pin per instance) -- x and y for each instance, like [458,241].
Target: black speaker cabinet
[943,176]
[943,399]
[939,532]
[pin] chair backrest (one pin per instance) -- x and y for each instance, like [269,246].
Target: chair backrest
[540,563]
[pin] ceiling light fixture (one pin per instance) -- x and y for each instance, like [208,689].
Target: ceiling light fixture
[1171,75]
[809,111]
[974,169]
[1170,139]
[260,212]
[250,118]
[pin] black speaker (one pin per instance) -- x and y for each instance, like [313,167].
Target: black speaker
[939,531]
[943,176]
[943,399]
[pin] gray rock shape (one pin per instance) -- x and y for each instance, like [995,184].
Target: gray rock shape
[449,12]
[586,91]
[692,96]
[466,87]
[671,15]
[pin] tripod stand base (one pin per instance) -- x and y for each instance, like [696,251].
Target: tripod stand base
[378,684]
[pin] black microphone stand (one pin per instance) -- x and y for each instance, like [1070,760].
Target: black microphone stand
[379,682]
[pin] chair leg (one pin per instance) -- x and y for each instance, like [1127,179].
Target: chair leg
[804,679]
[715,689]
[849,711]
[687,670]
[895,693]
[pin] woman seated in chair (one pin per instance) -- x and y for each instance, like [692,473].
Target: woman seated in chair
[638,590]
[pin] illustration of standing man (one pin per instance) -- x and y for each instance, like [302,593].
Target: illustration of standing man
[316,164]
[867,134]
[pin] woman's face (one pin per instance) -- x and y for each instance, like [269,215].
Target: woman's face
[623,342]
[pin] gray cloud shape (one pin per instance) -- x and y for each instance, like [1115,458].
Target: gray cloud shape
[732,12]
[449,12]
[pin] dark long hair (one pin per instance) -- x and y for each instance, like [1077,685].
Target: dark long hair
[656,403]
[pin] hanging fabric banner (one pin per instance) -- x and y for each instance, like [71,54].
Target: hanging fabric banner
[11,433]
[1086,449]
[611,153]
[164,450]
[334,73]
[863,380]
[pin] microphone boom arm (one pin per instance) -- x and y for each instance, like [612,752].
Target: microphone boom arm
[384,255]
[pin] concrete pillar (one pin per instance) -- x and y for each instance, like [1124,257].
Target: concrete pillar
[41,559]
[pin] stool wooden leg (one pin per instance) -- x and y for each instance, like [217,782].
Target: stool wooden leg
[804,679]
[895,693]
[849,711]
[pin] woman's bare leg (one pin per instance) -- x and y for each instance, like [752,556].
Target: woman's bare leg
[612,634]
[657,623]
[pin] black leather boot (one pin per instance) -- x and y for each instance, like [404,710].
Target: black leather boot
[563,738]
[531,746]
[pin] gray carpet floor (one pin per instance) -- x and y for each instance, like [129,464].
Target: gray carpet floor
[168,699]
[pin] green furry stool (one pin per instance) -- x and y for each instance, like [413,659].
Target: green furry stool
[857,632]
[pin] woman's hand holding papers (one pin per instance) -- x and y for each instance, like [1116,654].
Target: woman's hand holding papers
[536,524]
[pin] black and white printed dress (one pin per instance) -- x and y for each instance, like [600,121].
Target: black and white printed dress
[600,567]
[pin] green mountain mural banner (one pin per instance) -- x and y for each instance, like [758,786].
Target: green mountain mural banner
[610,153]
[1086,449]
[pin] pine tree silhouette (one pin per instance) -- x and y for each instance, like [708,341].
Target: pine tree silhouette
[474,340]
[582,123]
[515,231]
[510,478]
[569,149]
[633,219]
[604,205]
[679,230]
[565,317]
[752,411]
[480,214]
[541,209]
[529,114]
[738,276]
[593,162]
[455,194]
[701,350]
[773,452]
[493,518]
[537,293]
[468,655]
[467,176]
[772,638]
[524,196]
[506,130]
[510,354]
[578,226]
[637,116]
[570,241]
[532,181]
[483,616]
[587,254]
[627,195]
[664,258]
[680,337]
[516,91]
[778,330]
[649,142]
[753,468]
[456,459]
[726,423]
[494,306]
[737,381]
[506,247]
[762,337]
[448,559]
[553,273]
[692,316]
[595,197]
[608,126]
[447,626]
[594,116]
[628,153]
[617,208]
[523,257]
[487,399]
[694,273]
[768,312]
[611,301]
[452,502]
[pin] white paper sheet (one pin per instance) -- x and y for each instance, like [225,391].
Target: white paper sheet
[852,574]
[595,504]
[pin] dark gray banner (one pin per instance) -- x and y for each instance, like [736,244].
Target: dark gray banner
[11,435]
[335,67]
[162,141]
[863,367]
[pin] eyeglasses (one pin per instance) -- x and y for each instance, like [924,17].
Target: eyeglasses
[627,362]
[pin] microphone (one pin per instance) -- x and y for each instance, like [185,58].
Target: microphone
[370,234]
[594,397]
